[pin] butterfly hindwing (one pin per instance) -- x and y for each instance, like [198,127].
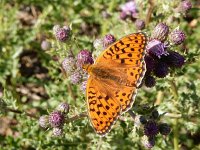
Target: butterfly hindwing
[103,110]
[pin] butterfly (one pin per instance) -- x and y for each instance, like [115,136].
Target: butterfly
[113,81]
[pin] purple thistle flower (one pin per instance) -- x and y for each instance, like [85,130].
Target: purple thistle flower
[151,128]
[139,120]
[150,81]
[55,29]
[69,65]
[130,8]
[62,34]
[148,142]
[76,76]
[160,32]
[123,15]
[57,131]
[174,59]
[108,40]
[184,6]
[44,121]
[98,44]
[150,63]
[177,37]
[161,70]
[140,24]
[154,114]
[83,86]
[63,108]
[164,129]
[84,57]
[45,45]
[156,48]
[56,119]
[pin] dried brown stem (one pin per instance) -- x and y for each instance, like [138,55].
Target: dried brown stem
[150,10]
[20,112]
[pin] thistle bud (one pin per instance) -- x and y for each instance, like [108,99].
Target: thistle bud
[57,131]
[140,24]
[44,121]
[108,40]
[160,32]
[56,119]
[63,108]
[177,37]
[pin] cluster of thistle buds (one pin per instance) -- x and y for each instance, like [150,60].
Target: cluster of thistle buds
[72,65]
[160,58]
[129,10]
[55,119]
[62,33]
[151,126]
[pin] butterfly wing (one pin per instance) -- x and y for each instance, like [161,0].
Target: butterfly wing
[128,52]
[103,110]
[127,55]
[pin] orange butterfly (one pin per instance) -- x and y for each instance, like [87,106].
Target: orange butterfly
[113,81]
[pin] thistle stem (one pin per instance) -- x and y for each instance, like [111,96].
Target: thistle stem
[132,114]
[150,10]
[76,117]
[20,112]
[175,127]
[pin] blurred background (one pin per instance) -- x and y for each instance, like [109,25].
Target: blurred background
[32,83]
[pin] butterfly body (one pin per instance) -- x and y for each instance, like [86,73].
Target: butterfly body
[113,81]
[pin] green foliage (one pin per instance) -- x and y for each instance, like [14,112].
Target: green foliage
[32,82]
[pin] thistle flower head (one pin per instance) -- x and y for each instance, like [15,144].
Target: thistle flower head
[123,15]
[63,108]
[140,24]
[44,121]
[149,81]
[129,8]
[84,57]
[139,120]
[76,76]
[161,70]
[154,114]
[56,119]
[45,45]
[184,6]
[108,40]
[177,37]
[62,34]
[150,63]
[83,86]
[164,129]
[98,44]
[156,48]
[55,29]
[148,142]
[160,32]
[174,59]
[151,128]
[69,64]
[57,132]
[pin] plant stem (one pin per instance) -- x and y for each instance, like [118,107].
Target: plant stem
[175,130]
[20,112]
[76,117]
[150,10]
[132,114]
[175,127]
